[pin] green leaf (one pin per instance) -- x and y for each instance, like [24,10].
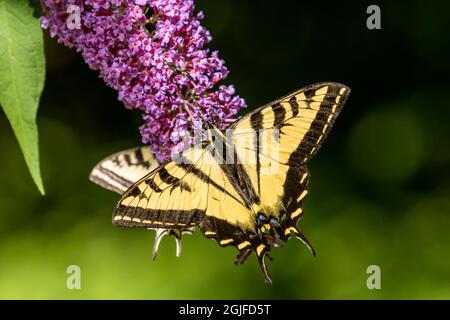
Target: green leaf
[22,74]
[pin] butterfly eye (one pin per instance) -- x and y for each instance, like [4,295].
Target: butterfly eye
[274,223]
[262,219]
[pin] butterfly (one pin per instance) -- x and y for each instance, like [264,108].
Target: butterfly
[242,187]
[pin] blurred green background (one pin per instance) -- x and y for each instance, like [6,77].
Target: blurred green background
[379,192]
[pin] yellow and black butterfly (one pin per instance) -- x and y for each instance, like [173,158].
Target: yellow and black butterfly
[243,187]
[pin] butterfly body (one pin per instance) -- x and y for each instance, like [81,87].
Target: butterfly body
[243,187]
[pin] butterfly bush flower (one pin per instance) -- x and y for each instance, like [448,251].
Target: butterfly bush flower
[153,53]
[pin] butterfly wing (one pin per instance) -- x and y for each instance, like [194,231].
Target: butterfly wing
[179,194]
[276,142]
[121,170]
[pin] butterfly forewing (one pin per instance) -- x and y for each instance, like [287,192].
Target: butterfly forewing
[301,121]
[178,195]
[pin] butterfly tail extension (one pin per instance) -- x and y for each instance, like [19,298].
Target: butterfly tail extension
[274,235]
[261,249]
[176,233]
[262,265]
[300,236]
[289,228]
[159,234]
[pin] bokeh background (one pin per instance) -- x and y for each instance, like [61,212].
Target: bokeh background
[380,185]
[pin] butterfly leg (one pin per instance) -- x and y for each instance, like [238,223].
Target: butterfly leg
[242,256]
[177,233]
[273,238]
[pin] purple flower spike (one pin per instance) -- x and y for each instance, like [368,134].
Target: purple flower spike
[153,53]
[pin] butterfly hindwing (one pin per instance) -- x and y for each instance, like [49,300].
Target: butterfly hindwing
[121,170]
